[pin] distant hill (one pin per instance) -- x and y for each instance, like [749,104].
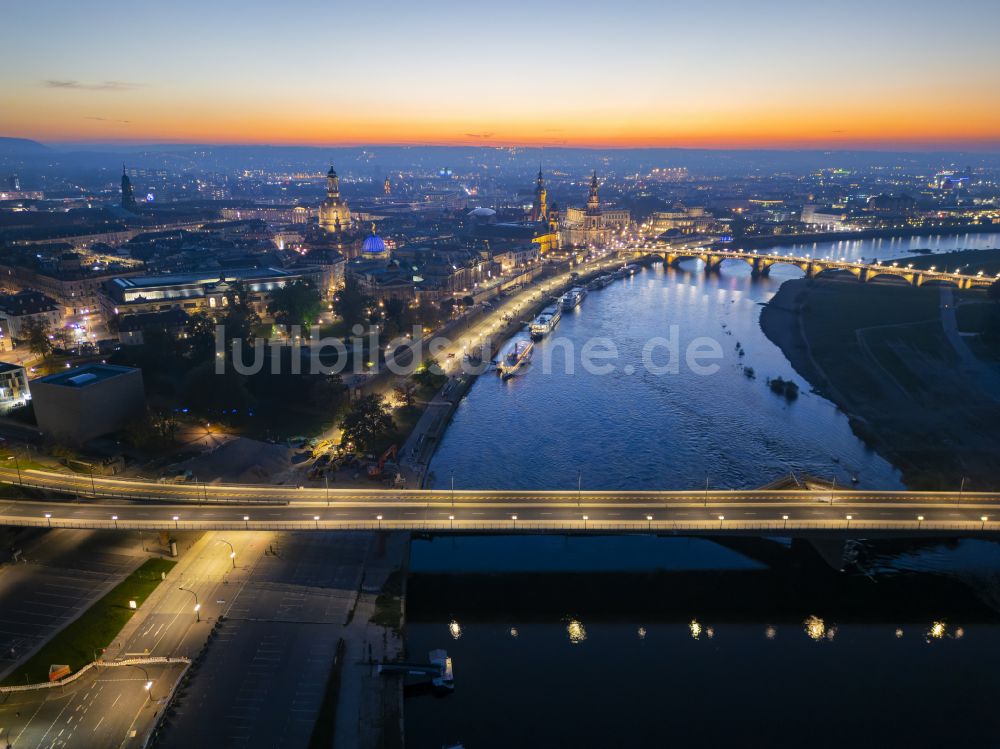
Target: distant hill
[18,146]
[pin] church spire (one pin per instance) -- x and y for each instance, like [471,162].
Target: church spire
[593,200]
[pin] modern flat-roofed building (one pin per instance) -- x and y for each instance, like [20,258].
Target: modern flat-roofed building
[203,290]
[89,401]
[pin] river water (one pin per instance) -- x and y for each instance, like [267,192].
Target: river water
[635,429]
[647,641]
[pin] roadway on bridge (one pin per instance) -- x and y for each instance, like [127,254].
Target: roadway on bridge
[792,515]
[132,489]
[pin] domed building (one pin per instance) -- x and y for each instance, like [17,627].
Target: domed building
[334,214]
[374,245]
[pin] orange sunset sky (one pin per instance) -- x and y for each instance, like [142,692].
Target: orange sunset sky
[632,73]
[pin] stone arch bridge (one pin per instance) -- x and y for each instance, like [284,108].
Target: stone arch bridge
[761,264]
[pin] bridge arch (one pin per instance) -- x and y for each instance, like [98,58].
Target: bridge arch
[785,263]
[839,272]
[883,276]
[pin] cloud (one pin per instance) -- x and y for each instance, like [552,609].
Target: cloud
[479,135]
[80,86]
[107,119]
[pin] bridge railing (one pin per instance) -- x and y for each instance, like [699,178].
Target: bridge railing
[776,526]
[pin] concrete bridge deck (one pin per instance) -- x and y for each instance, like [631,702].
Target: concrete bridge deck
[82,501]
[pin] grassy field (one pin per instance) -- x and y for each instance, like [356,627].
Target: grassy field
[388,605]
[77,644]
[970,261]
[880,352]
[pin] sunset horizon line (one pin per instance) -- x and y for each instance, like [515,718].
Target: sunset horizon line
[984,145]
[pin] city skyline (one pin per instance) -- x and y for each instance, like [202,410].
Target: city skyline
[582,74]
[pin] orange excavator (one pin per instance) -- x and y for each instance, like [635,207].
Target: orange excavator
[375,469]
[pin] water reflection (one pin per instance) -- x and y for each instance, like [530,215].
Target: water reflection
[632,429]
[576,631]
[579,638]
[695,629]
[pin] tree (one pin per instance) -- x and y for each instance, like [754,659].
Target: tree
[368,423]
[406,391]
[200,329]
[296,303]
[352,304]
[395,310]
[151,430]
[36,334]
[240,318]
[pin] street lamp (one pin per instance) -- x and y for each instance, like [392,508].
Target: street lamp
[232,551]
[849,519]
[379,519]
[197,605]
[451,521]
[784,521]
[920,520]
[649,522]
[514,520]
[148,686]
[17,465]
[721,518]
[984,519]
[176,518]
[316,520]
[115,518]
[48,519]
[246,522]
[585,519]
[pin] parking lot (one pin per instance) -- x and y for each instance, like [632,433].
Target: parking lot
[264,673]
[58,575]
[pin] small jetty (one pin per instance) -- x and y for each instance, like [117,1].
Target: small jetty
[436,672]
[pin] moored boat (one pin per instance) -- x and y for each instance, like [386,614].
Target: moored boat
[514,355]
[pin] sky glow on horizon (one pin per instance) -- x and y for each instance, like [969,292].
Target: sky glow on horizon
[730,74]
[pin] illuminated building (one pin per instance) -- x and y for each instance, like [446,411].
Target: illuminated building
[823,217]
[28,308]
[14,390]
[592,226]
[387,186]
[374,245]
[334,215]
[539,206]
[209,290]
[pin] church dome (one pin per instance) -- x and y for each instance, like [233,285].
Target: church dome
[373,244]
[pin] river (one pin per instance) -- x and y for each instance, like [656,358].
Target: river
[635,429]
[650,641]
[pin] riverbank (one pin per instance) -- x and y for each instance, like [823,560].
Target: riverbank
[884,355]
